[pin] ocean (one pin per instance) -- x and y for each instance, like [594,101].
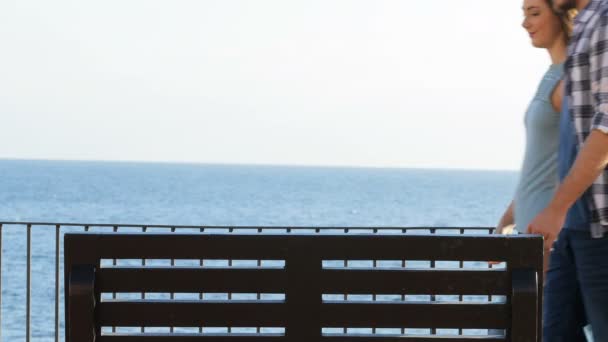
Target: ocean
[217,195]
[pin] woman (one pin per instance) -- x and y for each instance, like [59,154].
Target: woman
[538,178]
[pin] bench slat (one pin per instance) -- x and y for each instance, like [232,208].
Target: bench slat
[253,338]
[368,338]
[415,315]
[191,280]
[161,313]
[188,338]
[516,250]
[404,281]
[332,247]
[366,281]
[155,246]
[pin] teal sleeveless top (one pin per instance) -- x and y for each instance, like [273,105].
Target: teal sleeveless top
[539,178]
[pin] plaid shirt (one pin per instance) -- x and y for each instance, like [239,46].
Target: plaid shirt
[587,91]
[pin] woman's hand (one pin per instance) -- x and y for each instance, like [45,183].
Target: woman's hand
[503,229]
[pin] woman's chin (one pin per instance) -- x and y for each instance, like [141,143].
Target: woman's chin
[537,44]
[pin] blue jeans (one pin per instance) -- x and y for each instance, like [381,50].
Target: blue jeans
[576,288]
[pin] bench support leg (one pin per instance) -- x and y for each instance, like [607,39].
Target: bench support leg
[81,304]
[524,306]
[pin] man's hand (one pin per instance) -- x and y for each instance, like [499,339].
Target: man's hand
[548,223]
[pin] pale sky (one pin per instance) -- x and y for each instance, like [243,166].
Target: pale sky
[386,83]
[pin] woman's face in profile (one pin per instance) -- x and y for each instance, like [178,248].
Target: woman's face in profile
[542,24]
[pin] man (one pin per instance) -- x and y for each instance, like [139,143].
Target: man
[576,287]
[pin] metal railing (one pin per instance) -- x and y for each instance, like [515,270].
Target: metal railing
[62,228]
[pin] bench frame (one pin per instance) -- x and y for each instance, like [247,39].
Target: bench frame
[305,312]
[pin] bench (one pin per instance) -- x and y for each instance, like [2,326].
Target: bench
[306,277]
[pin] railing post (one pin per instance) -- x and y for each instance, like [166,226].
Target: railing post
[28,283]
[57,237]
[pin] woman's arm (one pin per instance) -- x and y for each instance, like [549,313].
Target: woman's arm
[506,222]
[505,225]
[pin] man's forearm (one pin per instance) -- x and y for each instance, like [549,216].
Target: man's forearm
[591,161]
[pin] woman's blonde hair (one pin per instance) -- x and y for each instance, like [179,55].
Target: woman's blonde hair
[566,18]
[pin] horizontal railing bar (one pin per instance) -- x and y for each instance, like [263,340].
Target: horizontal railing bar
[233,227]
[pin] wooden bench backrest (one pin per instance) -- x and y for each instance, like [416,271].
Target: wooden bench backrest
[304,278]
